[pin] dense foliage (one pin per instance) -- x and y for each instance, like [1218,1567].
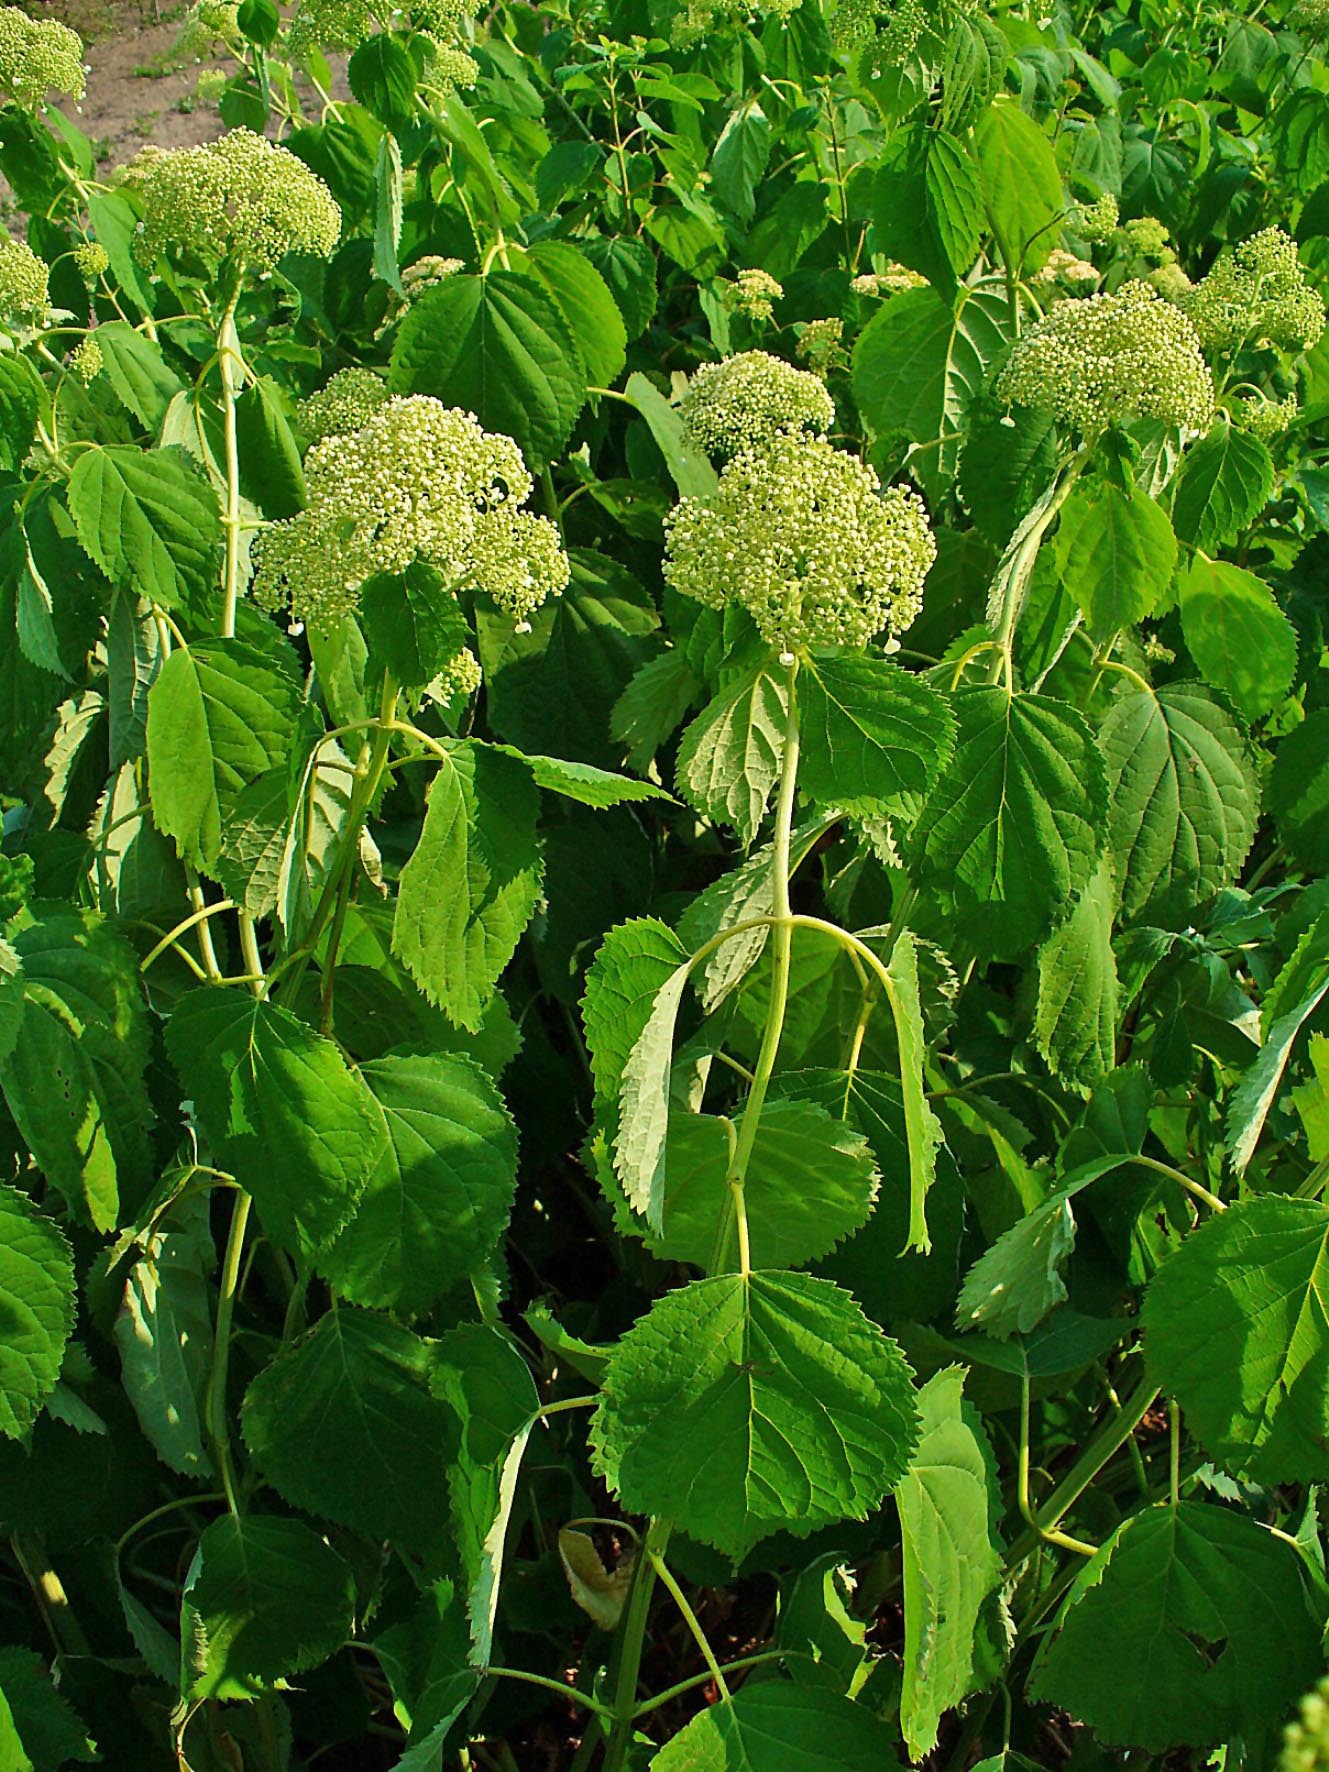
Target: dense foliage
[664,995]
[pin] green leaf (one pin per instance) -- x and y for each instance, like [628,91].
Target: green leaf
[438,1200]
[1021,183]
[777,1727]
[1075,1021]
[11,1747]
[693,474]
[43,1721]
[271,472]
[928,205]
[918,365]
[220,715]
[635,962]
[811,1182]
[749,1404]
[922,1127]
[1235,1330]
[37,1299]
[729,759]
[1187,1628]
[469,889]
[587,305]
[11,999]
[1223,484]
[388,212]
[588,786]
[150,521]
[1184,799]
[556,686]
[1241,641]
[1007,461]
[1014,826]
[144,382]
[282,1109]
[1117,553]
[263,1599]
[950,1554]
[74,1080]
[343,1424]
[1312,1099]
[383,77]
[499,347]
[739,159]
[870,731]
[134,658]
[1299,791]
[627,265]
[641,1142]
[413,624]
[489,1388]
[21,397]
[164,1335]
[567,170]
[1296,994]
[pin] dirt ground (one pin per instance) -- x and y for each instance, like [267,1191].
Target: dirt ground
[140,88]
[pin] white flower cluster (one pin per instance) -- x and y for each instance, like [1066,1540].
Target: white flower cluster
[91,260]
[86,360]
[1147,236]
[1306,1741]
[461,675]
[1112,357]
[241,197]
[1065,267]
[349,400]
[417,481]
[1094,221]
[753,293]
[1265,418]
[38,56]
[23,281]
[891,281]
[1257,294]
[805,539]
[746,401]
[344,24]
[819,345]
[426,272]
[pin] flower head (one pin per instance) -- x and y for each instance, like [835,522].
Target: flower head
[1146,235]
[819,345]
[92,259]
[1257,293]
[1112,357]
[892,281]
[1065,267]
[1094,221]
[461,675]
[23,281]
[1265,418]
[747,400]
[1306,1741]
[344,24]
[1311,16]
[451,67]
[86,360]
[417,481]
[428,271]
[803,537]
[347,401]
[1170,281]
[38,56]
[754,294]
[240,197]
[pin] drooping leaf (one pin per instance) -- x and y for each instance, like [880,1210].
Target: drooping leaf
[776,1727]
[739,158]
[693,474]
[641,1142]
[37,1299]
[633,964]
[1184,799]
[1240,639]
[45,1729]
[438,1199]
[1075,1021]
[1236,1330]
[343,1423]
[1015,824]
[469,889]
[730,756]
[870,731]
[151,522]
[263,1598]
[922,1127]
[282,1110]
[489,1388]
[1297,993]
[951,1560]
[1187,1628]
[164,1336]
[748,1404]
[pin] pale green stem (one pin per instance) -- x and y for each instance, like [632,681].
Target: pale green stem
[218,1426]
[228,355]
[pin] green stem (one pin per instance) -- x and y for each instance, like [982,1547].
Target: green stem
[362,798]
[631,1644]
[564,1691]
[782,951]
[731,1667]
[228,356]
[218,1426]
[693,1623]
